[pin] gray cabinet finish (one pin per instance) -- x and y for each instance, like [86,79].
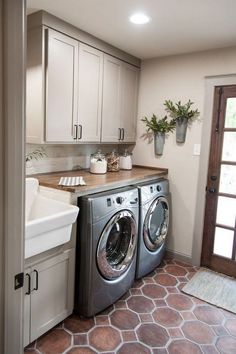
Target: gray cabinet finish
[51,294]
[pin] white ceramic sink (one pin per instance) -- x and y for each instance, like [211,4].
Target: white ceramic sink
[48,222]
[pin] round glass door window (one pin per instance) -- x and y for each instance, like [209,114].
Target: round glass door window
[156,223]
[116,247]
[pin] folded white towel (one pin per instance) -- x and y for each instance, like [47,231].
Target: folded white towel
[72,181]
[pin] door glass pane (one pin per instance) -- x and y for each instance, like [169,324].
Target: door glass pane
[230,115]
[229,147]
[226,211]
[223,242]
[228,179]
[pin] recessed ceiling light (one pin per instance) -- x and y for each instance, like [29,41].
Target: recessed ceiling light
[139,18]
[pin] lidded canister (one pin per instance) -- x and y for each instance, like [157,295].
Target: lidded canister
[126,160]
[98,163]
[113,161]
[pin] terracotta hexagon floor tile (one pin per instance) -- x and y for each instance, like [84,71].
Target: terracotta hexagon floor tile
[134,348]
[84,350]
[167,317]
[55,341]
[208,314]
[154,291]
[188,315]
[140,304]
[160,303]
[102,320]
[198,332]
[220,331]
[136,291]
[159,351]
[120,304]
[179,302]
[77,324]
[104,338]
[146,317]
[165,279]
[30,351]
[124,319]
[172,290]
[152,335]
[227,314]
[175,270]
[226,345]
[231,326]
[183,346]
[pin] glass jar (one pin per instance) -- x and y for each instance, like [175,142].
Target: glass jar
[126,161]
[98,163]
[113,161]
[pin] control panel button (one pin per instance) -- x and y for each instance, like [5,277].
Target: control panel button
[119,200]
[158,188]
[108,202]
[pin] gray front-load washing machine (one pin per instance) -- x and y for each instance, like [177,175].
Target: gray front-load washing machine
[106,248]
[153,225]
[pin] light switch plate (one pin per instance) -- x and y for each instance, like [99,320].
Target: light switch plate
[196,149]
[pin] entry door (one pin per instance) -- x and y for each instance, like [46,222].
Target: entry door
[219,238]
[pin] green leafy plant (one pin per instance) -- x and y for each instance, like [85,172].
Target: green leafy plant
[159,125]
[179,111]
[36,155]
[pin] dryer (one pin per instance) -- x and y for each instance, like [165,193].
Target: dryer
[153,225]
[106,248]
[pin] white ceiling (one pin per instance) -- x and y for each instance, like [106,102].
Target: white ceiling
[177,26]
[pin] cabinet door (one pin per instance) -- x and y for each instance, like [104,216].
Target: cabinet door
[61,86]
[90,93]
[52,292]
[111,99]
[130,76]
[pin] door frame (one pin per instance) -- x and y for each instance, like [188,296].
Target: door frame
[210,83]
[12,161]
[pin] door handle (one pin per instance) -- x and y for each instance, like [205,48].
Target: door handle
[123,134]
[75,133]
[119,134]
[29,284]
[211,190]
[80,131]
[37,280]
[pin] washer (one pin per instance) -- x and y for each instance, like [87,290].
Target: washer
[106,248]
[153,225]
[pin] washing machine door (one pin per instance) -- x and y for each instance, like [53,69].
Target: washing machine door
[156,223]
[117,244]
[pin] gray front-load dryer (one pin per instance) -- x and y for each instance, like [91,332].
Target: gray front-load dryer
[153,225]
[106,248]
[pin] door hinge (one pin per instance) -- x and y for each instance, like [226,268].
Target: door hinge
[19,281]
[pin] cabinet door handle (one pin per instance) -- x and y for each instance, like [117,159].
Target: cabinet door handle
[119,134]
[29,284]
[37,280]
[75,132]
[80,131]
[123,134]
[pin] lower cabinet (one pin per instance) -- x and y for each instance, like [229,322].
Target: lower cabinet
[49,294]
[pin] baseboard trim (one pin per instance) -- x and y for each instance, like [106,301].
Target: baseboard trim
[179,256]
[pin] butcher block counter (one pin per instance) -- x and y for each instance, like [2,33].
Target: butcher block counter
[99,183]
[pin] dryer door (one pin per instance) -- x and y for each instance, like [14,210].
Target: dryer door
[117,244]
[156,223]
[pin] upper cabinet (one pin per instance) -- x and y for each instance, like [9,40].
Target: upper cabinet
[120,92]
[61,71]
[89,93]
[77,93]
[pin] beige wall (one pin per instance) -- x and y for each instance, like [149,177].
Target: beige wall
[179,78]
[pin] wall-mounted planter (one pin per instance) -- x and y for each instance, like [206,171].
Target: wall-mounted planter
[159,141]
[181,130]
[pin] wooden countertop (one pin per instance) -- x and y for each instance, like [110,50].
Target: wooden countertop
[98,183]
